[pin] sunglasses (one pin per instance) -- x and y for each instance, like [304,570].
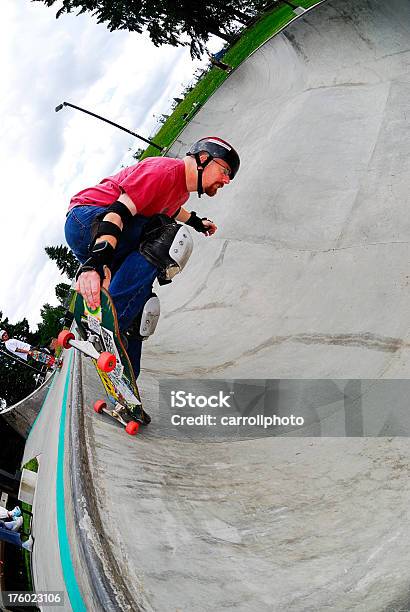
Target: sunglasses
[226,171]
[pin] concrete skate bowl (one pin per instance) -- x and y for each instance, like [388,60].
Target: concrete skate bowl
[21,416]
[307,277]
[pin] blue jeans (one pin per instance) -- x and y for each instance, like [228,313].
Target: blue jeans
[132,274]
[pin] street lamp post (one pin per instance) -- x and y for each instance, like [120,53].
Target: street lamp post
[83,110]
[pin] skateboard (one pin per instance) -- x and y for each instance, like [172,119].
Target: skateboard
[44,358]
[99,339]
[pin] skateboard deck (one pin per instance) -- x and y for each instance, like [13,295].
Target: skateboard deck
[101,341]
[41,357]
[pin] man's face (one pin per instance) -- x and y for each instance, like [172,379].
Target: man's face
[215,176]
[5,337]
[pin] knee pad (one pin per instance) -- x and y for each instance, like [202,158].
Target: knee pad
[146,323]
[167,245]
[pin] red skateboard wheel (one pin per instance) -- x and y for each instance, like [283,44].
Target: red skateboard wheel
[64,338]
[99,406]
[132,428]
[106,362]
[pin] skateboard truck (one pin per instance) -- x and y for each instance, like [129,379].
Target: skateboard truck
[106,362]
[131,427]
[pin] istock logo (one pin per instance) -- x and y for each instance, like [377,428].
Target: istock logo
[182,399]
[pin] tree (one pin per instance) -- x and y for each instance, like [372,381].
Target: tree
[19,330]
[63,293]
[50,324]
[65,259]
[16,379]
[167,21]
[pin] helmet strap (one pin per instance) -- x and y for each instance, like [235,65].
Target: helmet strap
[200,168]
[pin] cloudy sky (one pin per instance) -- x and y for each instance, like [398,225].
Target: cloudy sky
[45,157]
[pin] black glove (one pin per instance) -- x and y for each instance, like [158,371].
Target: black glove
[101,254]
[197,223]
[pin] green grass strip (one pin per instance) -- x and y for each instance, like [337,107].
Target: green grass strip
[70,580]
[253,37]
[26,554]
[31,465]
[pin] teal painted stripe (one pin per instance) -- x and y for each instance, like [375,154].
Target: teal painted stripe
[70,580]
[42,405]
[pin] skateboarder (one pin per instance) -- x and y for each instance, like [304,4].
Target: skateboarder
[216,61]
[17,347]
[23,350]
[137,210]
[9,515]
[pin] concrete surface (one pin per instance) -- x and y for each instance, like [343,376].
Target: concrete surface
[56,561]
[307,277]
[308,273]
[42,443]
[22,415]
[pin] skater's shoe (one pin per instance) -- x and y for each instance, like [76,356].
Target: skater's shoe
[15,512]
[138,414]
[132,332]
[16,524]
[28,544]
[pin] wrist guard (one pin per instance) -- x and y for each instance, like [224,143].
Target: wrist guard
[197,223]
[101,254]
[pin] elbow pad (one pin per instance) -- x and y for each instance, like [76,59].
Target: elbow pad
[122,210]
[104,228]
